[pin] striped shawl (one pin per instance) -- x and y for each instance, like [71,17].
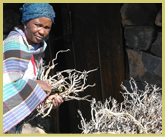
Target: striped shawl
[20,95]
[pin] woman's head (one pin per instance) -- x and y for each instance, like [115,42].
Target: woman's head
[37,29]
[37,19]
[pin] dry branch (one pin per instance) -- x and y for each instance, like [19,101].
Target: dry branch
[140,112]
[67,83]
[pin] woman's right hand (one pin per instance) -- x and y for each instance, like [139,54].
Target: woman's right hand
[56,100]
[44,85]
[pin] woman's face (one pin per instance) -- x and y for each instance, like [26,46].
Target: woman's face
[37,29]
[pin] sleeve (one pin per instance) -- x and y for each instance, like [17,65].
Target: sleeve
[20,96]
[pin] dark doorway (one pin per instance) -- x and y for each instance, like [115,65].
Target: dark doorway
[93,33]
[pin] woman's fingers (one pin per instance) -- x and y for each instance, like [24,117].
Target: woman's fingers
[56,100]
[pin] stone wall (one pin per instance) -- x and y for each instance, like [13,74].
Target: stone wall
[142,25]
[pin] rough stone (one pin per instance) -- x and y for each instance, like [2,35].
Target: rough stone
[144,66]
[139,37]
[38,125]
[29,129]
[142,14]
[156,47]
[158,20]
[152,63]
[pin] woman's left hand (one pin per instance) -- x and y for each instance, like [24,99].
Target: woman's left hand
[56,100]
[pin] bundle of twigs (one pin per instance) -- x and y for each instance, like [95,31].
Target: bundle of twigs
[67,83]
[140,112]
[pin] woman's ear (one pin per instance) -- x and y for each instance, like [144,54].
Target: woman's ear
[25,25]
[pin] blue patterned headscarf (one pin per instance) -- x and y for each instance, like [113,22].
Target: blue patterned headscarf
[36,10]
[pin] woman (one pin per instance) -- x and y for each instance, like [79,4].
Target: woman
[22,92]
